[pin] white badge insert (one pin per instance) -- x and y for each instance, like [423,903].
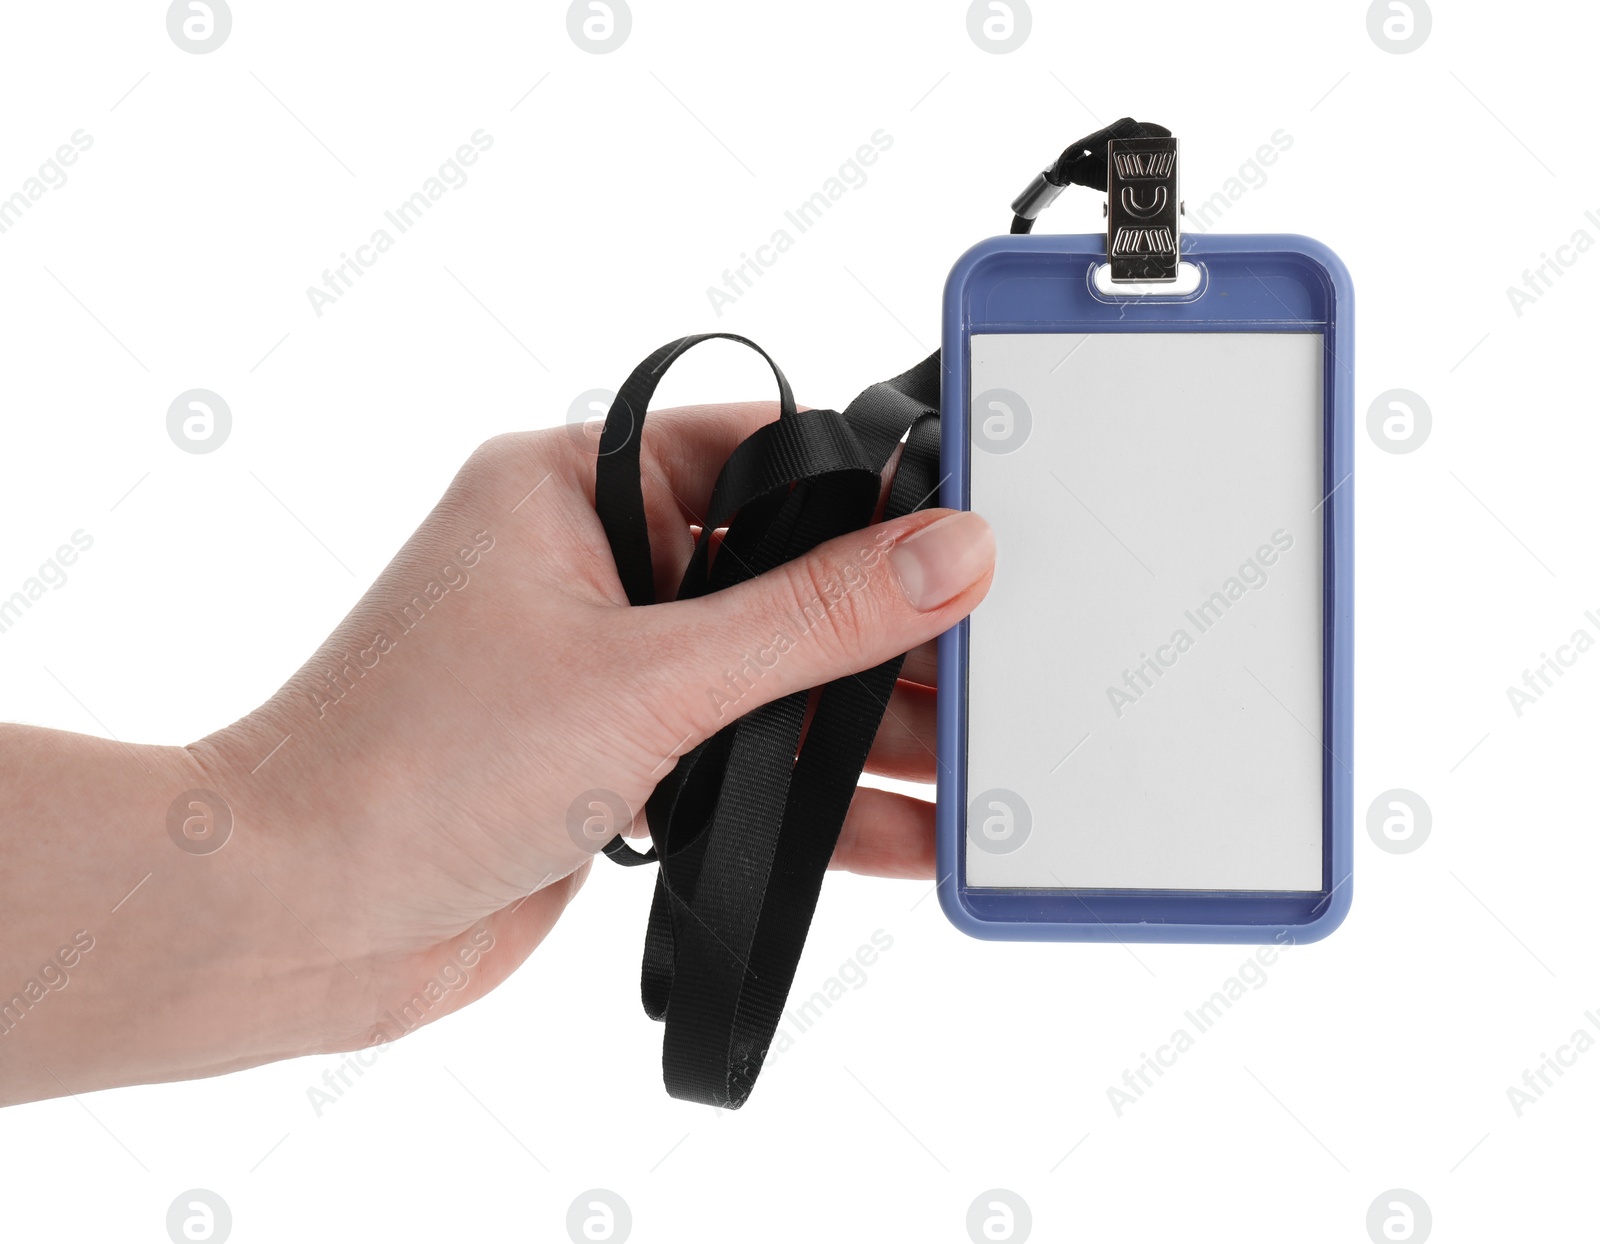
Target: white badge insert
[1146,673]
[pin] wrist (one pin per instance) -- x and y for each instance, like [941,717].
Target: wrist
[151,930]
[296,962]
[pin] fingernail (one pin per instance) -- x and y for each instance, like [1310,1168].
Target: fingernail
[942,560]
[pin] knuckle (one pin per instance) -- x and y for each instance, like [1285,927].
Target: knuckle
[828,605]
[490,463]
[505,466]
[499,449]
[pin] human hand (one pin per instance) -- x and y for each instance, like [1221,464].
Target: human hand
[413,798]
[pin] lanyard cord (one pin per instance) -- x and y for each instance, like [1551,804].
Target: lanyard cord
[743,827]
[1084,163]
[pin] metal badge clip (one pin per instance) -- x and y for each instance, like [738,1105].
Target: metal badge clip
[1142,208]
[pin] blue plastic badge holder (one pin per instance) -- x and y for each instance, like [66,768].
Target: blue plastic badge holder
[1000,292]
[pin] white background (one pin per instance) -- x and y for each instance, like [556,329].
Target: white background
[219,187]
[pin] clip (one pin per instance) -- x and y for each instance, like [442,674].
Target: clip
[1142,209]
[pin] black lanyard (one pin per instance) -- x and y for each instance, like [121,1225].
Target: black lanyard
[742,826]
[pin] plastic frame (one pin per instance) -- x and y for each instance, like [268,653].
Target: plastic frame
[1250,282]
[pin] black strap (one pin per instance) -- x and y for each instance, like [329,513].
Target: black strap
[746,823]
[1085,163]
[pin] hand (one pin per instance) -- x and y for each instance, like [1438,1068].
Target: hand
[408,796]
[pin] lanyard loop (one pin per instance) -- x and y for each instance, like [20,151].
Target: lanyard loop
[1084,163]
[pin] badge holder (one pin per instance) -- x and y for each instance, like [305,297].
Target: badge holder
[1164,451]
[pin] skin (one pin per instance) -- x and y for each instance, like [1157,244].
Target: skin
[400,845]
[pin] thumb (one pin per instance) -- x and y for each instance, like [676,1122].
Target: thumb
[846,606]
